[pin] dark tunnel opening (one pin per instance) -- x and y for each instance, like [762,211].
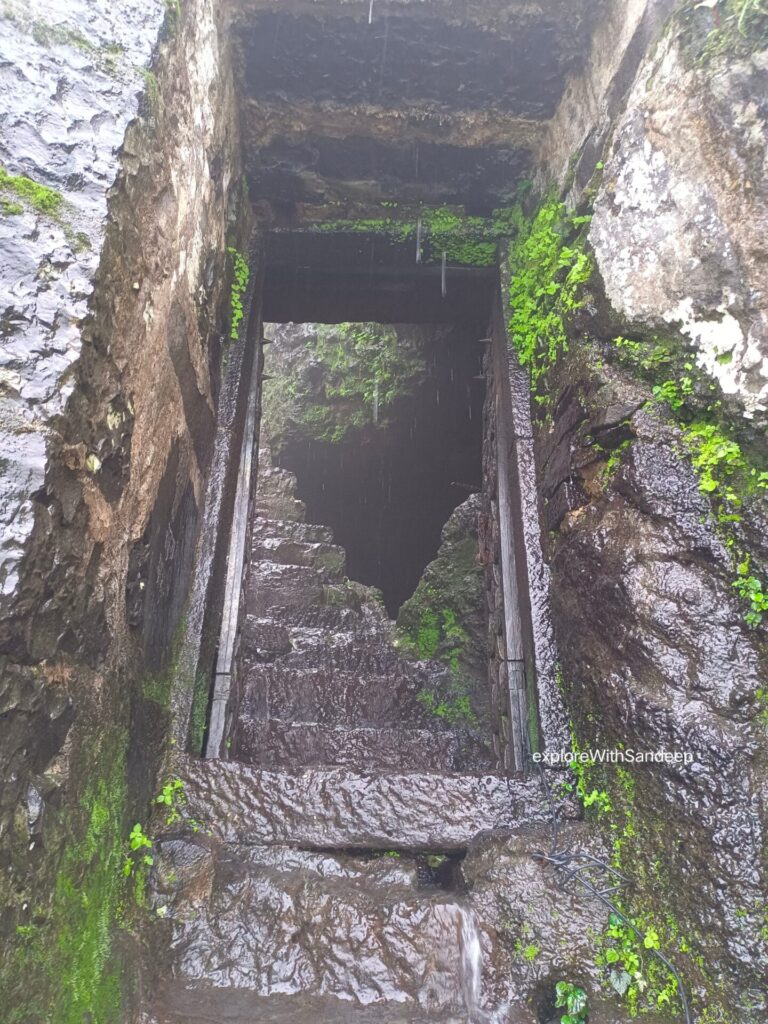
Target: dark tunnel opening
[387,489]
[383,471]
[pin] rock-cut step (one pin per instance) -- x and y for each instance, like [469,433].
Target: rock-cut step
[305,533]
[270,935]
[274,743]
[339,808]
[315,555]
[335,697]
[179,1004]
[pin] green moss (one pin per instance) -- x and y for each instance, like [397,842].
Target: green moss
[73,948]
[548,267]
[454,707]
[740,29]
[641,847]
[435,632]
[153,91]
[59,35]
[199,716]
[469,241]
[41,198]
[10,209]
[614,460]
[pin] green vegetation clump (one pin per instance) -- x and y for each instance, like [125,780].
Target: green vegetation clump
[727,474]
[573,999]
[73,947]
[455,708]
[548,268]
[240,275]
[470,241]
[727,477]
[365,368]
[639,845]
[740,28]
[436,634]
[41,198]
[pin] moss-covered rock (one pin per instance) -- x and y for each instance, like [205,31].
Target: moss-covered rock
[445,619]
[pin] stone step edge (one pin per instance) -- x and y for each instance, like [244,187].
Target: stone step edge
[335,808]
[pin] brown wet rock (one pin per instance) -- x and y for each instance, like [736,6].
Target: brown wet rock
[656,655]
[334,807]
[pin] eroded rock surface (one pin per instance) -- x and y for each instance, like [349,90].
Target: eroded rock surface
[70,82]
[652,632]
[681,219]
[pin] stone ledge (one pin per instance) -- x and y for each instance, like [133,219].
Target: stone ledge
[338,808]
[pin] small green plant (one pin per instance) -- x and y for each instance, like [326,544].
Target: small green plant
[573,999]
[240,275]
[436,860]
[530,952]
[718,460]
[171,796]
[614,460]
[751,590]
[138,842]
[673,392]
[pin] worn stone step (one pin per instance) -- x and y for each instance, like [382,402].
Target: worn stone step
[270,584]
[273,482]
[311,533]
[328,618]
[287,551]
[317,695]
[279,507]
[338,934]
[346,651]
[274,743]
[180,1004]
[339,808]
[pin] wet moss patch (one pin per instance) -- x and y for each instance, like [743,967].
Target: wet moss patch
[39,197]
[437,232]
[70,943]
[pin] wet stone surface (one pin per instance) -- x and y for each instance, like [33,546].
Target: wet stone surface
[321,681]
[70,82]
[652,633]
[320,873]
[338,807]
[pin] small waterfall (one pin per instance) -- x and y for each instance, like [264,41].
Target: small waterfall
[471,964]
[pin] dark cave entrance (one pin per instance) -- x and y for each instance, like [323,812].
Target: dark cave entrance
[387,489]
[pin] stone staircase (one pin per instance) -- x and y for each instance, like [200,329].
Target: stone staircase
[324,883]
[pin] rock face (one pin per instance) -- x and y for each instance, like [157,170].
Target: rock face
[113,304]
[682,215]
[654,648]
[72,80]
[656,655]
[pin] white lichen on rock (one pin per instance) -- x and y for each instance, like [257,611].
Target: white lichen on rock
[681,218]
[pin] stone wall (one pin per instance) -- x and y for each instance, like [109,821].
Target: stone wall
[115,316]
[649,555]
